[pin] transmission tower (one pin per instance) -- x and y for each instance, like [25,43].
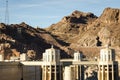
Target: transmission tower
[6,14]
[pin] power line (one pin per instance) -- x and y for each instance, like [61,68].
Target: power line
[6,14]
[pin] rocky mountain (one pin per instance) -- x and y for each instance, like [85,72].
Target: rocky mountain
[71,25]
[22,38]
[103,28]
[84,31]
[78,31]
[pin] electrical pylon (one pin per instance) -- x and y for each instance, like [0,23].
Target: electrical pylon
[6,14]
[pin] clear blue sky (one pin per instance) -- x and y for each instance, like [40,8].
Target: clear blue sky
[43,13]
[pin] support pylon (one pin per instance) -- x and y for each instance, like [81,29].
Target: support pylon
[6,14]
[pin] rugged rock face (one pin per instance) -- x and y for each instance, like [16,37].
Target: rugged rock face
[110,16]
[71,25]
[21,38]
[86,30]
[79,17]
[105,28]
[77,32]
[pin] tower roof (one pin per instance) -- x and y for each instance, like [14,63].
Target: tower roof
[52,46]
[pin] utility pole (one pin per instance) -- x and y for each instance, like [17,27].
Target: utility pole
[6,14]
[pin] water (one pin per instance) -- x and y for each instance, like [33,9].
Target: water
[16,72]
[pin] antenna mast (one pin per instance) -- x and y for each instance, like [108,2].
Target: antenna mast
[6,14]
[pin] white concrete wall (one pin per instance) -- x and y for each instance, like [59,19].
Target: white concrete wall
[106,55]
[51,55]
[1,57]
[67,73]
[23,57]
[77,56]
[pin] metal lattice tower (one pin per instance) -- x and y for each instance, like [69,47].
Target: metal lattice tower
[6,14]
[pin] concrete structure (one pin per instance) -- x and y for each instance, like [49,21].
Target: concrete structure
[51,69]
[73,72]
[19,30]
[1,57]
[32,63]
[73,69]
[78,70]
[23,57]
[68,73]
[77,56]
[14,58]
[107,67]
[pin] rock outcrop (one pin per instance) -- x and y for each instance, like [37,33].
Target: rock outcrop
[21,38]
[106,28]
[110,15]
[72,25]
[86,30]
[77,32]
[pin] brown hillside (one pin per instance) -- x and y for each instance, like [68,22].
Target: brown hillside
[86,30]
[78,31]
[71,25]
[20,38]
